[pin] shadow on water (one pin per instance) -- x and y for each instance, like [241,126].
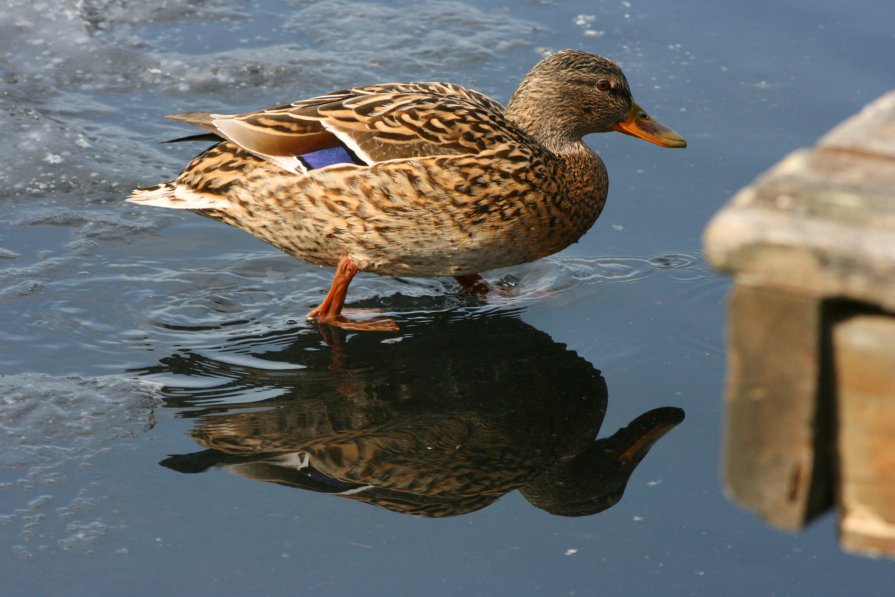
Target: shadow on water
[443,420]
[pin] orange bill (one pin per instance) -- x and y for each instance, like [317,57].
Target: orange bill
[640,124]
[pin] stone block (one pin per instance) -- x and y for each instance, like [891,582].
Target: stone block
[822,221]
[865,379]
[777,459]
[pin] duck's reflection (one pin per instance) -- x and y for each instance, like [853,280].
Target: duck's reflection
[460,411]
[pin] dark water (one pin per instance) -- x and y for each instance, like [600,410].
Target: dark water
[132,337]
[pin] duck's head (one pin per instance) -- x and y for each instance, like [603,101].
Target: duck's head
[572,93]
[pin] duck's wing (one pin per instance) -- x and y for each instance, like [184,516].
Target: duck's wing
[367,125]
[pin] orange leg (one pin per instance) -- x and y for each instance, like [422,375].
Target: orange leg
[473,283]
[331,307]
[330,310]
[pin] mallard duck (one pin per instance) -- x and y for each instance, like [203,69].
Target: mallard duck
[416,179]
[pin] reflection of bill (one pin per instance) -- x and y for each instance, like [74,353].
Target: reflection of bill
[458,413]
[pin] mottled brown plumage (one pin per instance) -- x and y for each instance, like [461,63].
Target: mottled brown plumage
[436,179]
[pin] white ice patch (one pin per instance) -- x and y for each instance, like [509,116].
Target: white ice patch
[52,429]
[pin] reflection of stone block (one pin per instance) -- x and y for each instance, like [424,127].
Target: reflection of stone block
[810,241]
[865,371]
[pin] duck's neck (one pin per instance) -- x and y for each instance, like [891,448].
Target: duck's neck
[554,129]
[555,132]
[584,177]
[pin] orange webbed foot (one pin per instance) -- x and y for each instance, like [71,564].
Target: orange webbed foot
[329,312]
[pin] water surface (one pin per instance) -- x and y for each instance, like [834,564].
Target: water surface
[132,336]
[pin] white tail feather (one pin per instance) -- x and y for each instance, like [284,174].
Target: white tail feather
[174,197]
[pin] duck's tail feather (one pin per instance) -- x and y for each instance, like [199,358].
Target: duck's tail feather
[173,196]
[203,120]
[200,137]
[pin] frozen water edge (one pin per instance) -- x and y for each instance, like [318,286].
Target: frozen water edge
[51,431]
[82,99]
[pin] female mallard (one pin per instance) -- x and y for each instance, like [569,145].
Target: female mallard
[416,179]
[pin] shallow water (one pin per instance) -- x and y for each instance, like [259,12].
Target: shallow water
[131,336]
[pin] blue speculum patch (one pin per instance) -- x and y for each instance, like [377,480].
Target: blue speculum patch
[327,157]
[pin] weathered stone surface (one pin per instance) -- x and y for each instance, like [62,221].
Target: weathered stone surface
[871,131]
[865,373]
[776,458]
[821,222]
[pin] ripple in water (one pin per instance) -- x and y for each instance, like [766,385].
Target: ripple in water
[558,273]
[701,296]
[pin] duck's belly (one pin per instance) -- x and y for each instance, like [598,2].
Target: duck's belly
[446,248]
[396,221]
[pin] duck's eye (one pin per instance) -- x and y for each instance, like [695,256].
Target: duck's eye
[604,85]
